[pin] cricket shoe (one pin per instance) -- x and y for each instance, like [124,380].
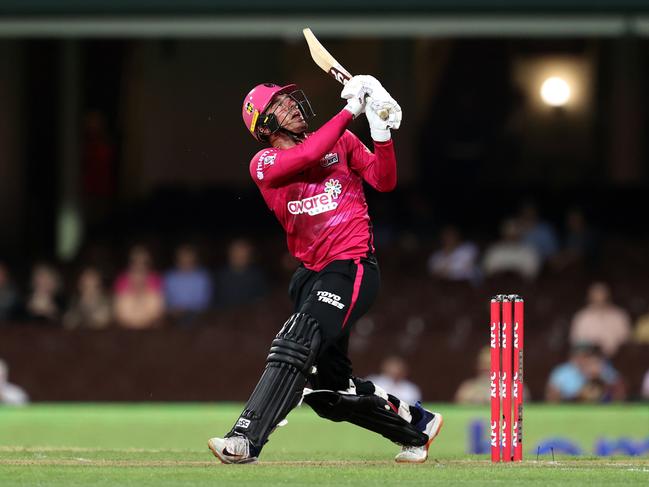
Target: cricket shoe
[429,424]
[235,449]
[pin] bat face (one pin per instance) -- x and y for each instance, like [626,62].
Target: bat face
[328,63]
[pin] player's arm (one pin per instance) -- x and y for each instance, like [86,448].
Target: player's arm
[289,162]
[378,169]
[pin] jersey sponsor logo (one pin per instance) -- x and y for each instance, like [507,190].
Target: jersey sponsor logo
[265,159]
[319,203]
[330,298]
[333,188]
[329,159]
[243,423]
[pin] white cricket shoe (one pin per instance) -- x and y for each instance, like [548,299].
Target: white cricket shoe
[429,424]
[235,449]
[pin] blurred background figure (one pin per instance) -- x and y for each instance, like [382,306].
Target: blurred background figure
[537,233]
[187,287]
[45,302]
[456,259]
[511,254]
[601,322]
[91,306]
[140,265]
[240,281]
[9,300]
[138,301]
[477,390]
[580,243]
[10,394]
[644,393]
[641,330]
[393,379]
[586,377]
[139,305]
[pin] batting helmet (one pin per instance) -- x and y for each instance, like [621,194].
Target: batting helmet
[258,100]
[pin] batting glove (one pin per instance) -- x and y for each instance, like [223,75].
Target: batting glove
[380,128]
[354,92]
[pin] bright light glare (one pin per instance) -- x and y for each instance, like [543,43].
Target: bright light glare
[555,91]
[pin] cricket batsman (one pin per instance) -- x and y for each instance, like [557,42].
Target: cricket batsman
[313,183]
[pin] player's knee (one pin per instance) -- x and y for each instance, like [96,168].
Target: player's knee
[297,343]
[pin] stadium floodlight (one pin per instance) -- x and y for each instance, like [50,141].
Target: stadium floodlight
[555,91]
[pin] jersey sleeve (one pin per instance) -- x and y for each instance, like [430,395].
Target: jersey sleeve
[271,167]
[378,169]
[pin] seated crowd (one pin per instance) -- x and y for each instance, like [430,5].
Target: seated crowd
[526,246]
[140,296]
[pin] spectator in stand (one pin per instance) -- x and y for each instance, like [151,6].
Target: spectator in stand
[45,302]
[240,282]
[91,306]
[138,301]
[139,305]
[537,233]
[10,394]
[9,301]
[477,390]
[140,263]
[644,393]
[601,322]
[580,242]
[586,377]
[511,254]
[188,287]
[393,380]
[456,260]
[641,331]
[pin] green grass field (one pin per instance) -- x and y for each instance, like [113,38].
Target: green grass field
[163,444]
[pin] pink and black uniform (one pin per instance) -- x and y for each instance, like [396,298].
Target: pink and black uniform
[315,190]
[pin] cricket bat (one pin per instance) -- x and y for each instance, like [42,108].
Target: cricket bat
[328,63]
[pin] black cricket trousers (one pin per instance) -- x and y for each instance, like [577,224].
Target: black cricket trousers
[336,297]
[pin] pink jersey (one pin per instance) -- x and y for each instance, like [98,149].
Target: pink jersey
[315,190]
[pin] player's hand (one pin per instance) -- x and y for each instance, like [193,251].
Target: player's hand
[355,91]
[380,128]
[382,102]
